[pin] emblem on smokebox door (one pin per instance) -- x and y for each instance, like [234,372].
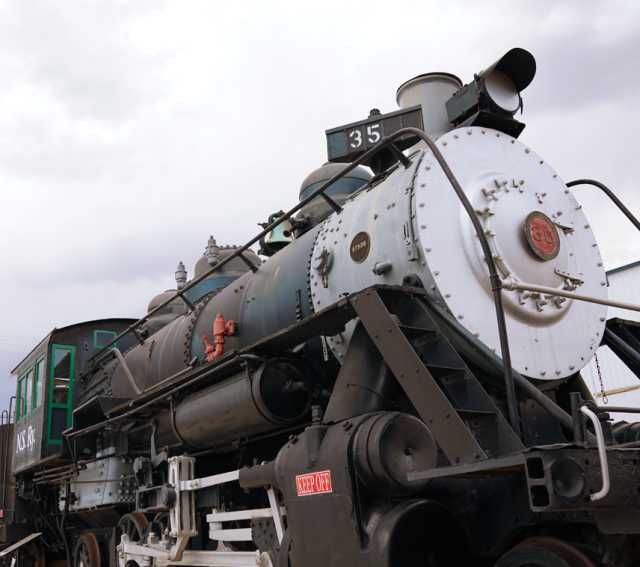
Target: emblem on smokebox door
[542,235]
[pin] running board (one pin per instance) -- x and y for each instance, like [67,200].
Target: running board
[200,558]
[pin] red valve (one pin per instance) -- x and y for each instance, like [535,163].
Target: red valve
[221,329]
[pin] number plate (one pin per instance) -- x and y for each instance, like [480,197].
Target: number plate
[346,143]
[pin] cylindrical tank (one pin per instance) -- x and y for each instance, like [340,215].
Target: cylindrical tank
[412,227]
[261,303]
[253,402]
[431,91]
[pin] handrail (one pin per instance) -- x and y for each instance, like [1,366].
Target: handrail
[609,193]
[512,285]
[602,454]
[496,282]
[126,370]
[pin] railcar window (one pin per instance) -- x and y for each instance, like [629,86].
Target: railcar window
[102,338]
[61,375]
[37,383]
[21,406]
[28,391]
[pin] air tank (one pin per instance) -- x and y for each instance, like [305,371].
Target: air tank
[252,402]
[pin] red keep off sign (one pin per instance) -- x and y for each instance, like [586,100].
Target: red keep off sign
[314,483]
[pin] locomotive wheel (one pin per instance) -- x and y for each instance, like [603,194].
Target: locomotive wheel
[544,552]
[87,551]
[134,525]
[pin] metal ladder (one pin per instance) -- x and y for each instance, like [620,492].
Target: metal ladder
[466,423]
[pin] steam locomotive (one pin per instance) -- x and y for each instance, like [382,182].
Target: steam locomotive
[392,380]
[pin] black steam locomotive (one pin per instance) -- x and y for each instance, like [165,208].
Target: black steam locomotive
[393,380]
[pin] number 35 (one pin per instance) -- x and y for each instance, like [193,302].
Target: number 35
[372,136]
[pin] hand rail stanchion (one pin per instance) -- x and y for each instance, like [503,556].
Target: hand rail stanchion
[609,193]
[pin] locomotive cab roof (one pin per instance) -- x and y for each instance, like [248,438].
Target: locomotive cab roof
[69,328]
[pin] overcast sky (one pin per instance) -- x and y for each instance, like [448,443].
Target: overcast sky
[130,131]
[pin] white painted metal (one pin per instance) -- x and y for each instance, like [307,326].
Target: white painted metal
[502,90]
[106,481]
[236,534]
[182,516]
[214,480]
[236,515]
[216,519]
[602,454]
[431,91]
[24,541]
[551,291]
[505,181]
[221,559]
[417,224]
[384,213]
[276,513]
[160,557]
[182,525]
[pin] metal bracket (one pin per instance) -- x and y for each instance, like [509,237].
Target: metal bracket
[433,407]
[182,517]
[404,160]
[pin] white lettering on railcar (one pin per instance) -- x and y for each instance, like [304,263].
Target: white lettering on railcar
[26,439]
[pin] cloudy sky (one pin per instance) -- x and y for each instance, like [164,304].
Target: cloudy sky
[130,131]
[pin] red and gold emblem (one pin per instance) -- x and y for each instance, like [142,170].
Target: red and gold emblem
[542,235]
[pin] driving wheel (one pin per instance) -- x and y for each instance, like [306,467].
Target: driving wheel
[134,524]
[544,552]
[87,551]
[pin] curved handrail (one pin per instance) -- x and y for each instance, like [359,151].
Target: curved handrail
[496,282]
[494,278]
[602,455]
[609,193]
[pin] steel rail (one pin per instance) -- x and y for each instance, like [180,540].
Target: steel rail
[495,281]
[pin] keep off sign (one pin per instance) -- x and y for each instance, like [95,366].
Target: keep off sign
[314,483]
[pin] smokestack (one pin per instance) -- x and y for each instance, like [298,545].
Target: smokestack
[431,91]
